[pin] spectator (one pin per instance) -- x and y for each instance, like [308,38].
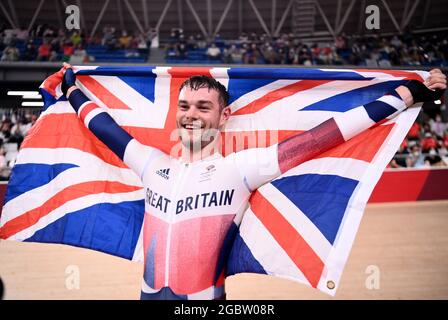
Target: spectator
[400,159]
[444,113]
[429,142]
[171,51]
[53,56]
[236,54]
[76,38]
[182,52]
[68,49]
[414,132]
[154,38]
[270,56]
[192,43]
[44,51]
[142,45]
[202,44]
[213,52]
[416,158]
[5,170]
[30,53]
[445,139]
[437,126]
[442,150]
[5,130]
[19,131]
[252,55]
[433,159]
[226,57]
[109,39]
[396,42]
[79,55]
[10,53]
[125,40]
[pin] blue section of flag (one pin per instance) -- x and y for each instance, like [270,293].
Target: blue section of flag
[379,110]
[49,100]
[322,198]
[226,249]
[242,260]
[293,73]
[354,98]
[141,79]
[143,85]
[239,87]
[108,227]
[25,177]
[118,71]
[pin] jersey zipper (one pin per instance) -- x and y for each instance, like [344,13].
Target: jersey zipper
[177,187]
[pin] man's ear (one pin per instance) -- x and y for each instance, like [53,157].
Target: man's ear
[225,115]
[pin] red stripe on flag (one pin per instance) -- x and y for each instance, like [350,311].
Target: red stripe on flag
[288,238]
[70,193]
[185,72]
[363,146]
[50,84]
[103,94]
[396,73]
[67,131]
[278,94]
[86,110]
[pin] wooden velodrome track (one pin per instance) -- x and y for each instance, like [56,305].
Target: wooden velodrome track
[408,242]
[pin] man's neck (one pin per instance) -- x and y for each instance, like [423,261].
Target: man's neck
[190,156]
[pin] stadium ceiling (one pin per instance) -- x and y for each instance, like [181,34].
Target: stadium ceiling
[305,18]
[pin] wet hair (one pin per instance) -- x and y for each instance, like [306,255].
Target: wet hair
[198,82]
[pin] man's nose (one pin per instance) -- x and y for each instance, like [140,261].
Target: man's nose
[192,113]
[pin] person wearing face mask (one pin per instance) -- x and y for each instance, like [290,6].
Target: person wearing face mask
[437,126]
[416,159]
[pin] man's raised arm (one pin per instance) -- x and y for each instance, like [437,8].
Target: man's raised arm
[100,123]
[304,146]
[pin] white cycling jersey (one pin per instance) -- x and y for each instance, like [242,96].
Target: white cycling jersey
[189,210]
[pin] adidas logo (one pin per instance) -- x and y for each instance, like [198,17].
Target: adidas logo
[164,173]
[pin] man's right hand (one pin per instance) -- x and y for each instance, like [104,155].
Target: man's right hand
[432,89]
[69,79]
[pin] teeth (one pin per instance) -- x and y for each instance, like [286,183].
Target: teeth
[190,126]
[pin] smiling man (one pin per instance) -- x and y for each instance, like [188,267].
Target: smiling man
[194,204]
[202,113]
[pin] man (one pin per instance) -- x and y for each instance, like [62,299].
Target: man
[194,204]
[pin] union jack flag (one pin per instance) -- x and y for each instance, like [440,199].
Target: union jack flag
[68,187]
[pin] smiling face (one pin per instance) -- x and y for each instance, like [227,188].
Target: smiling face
[200,116]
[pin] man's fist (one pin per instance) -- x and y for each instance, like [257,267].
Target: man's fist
[69,78]
[432,89]
[436,80]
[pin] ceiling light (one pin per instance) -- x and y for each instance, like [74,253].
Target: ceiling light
[23,93]
[32,104]
[32,96]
